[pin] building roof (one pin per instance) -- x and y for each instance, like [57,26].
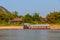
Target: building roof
[15,20]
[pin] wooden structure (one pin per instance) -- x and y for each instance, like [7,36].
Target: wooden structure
[14,21]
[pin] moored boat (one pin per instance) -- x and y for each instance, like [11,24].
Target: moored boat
[36,26]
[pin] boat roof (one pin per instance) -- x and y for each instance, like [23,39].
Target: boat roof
[40,25]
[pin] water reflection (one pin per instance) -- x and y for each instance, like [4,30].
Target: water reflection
[29,34]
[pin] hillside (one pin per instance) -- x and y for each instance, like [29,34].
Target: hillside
[2,9]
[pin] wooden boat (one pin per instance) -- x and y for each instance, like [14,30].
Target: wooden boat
[37,26]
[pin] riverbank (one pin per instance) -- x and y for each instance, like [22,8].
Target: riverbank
[10,27]
[21,27]
[55,26]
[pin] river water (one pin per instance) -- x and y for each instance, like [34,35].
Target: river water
[29,34]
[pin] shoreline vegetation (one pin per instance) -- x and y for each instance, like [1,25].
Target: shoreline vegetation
[11,19]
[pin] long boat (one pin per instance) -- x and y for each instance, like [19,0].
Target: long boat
[36,26]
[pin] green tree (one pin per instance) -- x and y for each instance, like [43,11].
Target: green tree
[53,17]
[27,18]
[37,18]
[5,16]
[15,14]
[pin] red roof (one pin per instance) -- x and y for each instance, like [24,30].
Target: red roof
[15,20]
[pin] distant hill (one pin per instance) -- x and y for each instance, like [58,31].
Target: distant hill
[2,9]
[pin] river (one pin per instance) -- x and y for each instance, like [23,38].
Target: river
[29,34]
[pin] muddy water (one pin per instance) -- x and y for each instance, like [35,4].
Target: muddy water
[29,34]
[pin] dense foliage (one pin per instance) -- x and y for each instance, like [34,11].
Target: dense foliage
[52,17]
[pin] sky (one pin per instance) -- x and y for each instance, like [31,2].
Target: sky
[43,7]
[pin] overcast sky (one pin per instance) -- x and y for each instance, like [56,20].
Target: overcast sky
[31,6]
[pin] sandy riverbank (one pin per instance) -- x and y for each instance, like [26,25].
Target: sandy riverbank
[21,27]
[55,26]
[10,27]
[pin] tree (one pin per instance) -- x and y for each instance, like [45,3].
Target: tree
[53,17]
[15,14]
[27,18]
[37,18]
[5,16]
